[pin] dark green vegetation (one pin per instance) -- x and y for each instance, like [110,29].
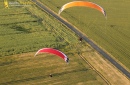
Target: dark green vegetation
[113,34]
[23,31]
[27,30]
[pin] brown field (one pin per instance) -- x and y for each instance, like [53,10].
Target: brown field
[114,76]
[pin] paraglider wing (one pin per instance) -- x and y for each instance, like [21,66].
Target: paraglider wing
[82,3]
[53,51]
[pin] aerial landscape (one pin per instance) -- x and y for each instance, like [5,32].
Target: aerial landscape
[63,42]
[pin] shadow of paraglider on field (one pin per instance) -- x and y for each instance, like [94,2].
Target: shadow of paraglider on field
[44,76]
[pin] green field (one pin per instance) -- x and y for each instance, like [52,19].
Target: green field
[112,34]
[26,29]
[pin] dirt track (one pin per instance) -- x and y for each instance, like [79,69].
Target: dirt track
[114,76]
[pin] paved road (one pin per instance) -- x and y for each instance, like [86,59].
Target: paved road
[103,53]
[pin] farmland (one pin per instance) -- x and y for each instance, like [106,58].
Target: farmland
[24,30]
[27,32]
[112,34]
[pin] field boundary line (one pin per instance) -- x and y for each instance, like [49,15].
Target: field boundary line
[108,83]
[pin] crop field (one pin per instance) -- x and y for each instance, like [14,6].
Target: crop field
[26,29]
[111,34]
[25,69]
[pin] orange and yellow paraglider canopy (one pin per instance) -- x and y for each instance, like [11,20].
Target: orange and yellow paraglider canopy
[82,3]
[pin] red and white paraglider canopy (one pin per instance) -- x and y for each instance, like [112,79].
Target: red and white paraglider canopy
[53,51]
